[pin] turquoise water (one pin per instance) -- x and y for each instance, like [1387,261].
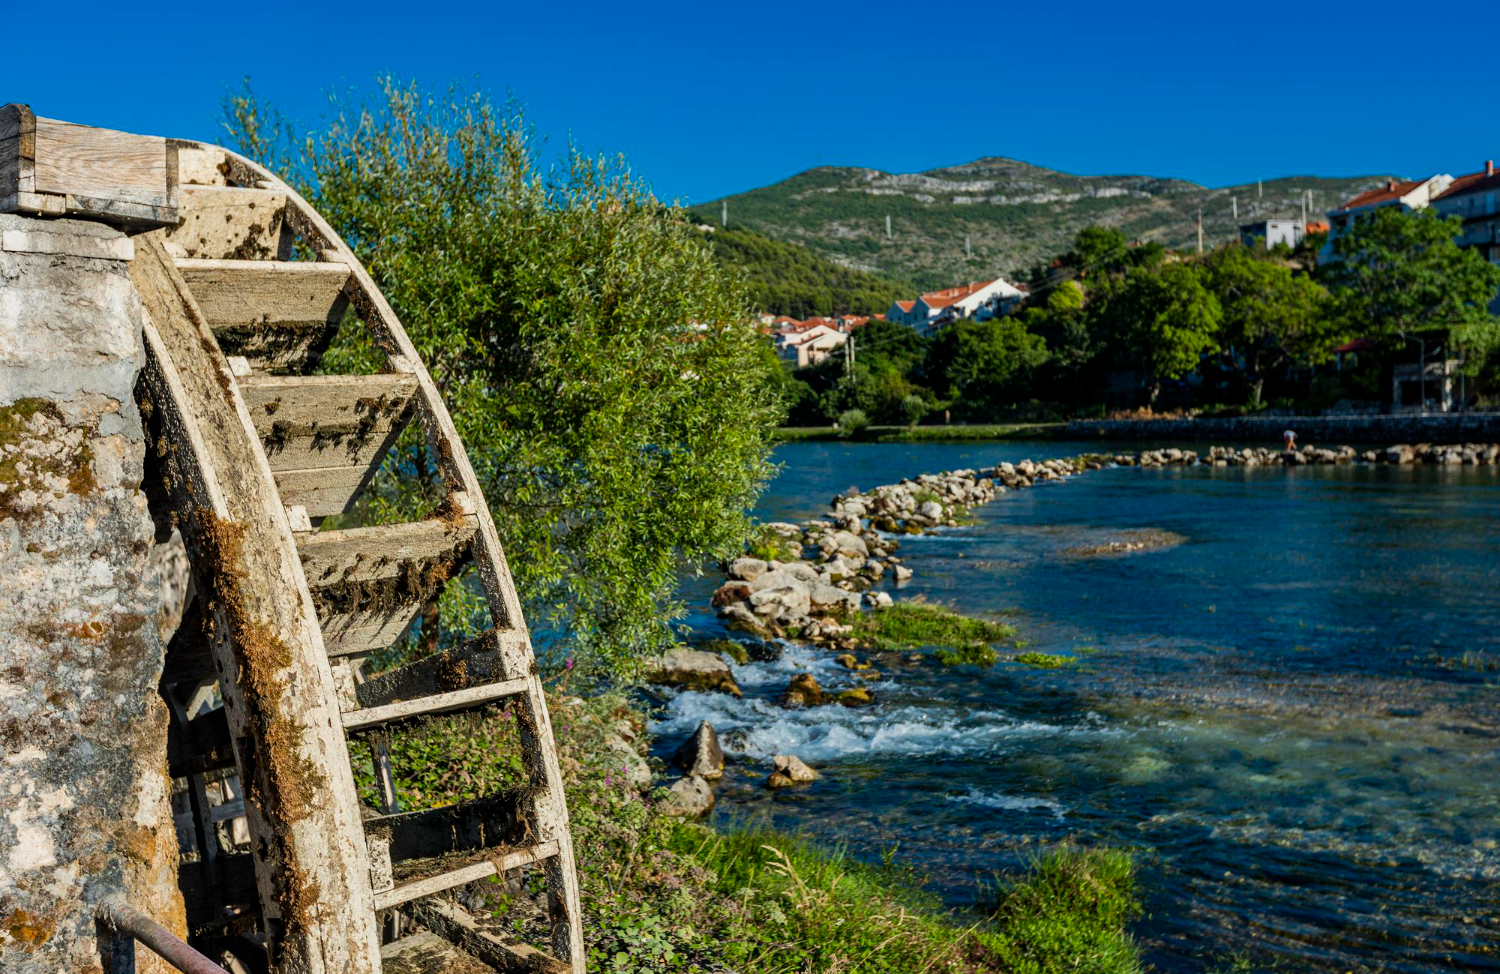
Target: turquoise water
[1293,715]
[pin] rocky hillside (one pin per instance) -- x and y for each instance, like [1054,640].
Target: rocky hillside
[1015,214]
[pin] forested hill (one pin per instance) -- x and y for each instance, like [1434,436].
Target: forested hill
[1015,214]
[788,279]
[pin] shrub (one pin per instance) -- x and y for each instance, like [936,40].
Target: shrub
[852,422]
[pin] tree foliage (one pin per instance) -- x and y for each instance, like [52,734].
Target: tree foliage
[1166,321]
[1271,315]
[600,366]
[789,279]
[1404,272]
[978,360]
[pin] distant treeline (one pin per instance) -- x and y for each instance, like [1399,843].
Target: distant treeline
[788,279]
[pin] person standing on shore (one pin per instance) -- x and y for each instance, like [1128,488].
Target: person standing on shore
[1290,438]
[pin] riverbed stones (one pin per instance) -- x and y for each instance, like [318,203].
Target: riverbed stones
[701,754]
[747,569]
[694,669]
[689,797]
[789,770]
[729,593]
[803,691]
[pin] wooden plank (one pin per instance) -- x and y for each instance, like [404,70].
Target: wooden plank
[482,867]
[472,826]
[200,165]
[387,551]
[81,160]
[362,633]
[230,223]
[475,663]
[326,435]
[456,926]
[279,314]
[440,703]
[304,814]
[17,155]
[428,953]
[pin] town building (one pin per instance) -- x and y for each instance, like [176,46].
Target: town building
[1411,194]
[978,300]
[809,342]
[1266,234]
[1474,198]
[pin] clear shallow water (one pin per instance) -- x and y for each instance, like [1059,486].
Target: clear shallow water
[1288,715]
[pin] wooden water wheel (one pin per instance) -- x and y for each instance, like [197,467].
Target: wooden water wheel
[242,298]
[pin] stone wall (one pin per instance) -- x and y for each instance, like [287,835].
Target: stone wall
[1322,430]
[85,808]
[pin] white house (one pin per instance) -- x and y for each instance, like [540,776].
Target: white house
[1411,194]
[979,300]
[810,342]
[1268,233]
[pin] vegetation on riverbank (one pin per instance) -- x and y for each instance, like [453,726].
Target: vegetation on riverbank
[666,895]
[915,625]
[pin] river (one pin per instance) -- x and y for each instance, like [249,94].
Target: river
[1293,716]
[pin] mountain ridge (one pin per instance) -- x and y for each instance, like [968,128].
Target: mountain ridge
[1014,214]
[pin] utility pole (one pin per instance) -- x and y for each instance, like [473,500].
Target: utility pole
[887,226]
[1259,190]
[1304,211]
[968,247]
[1235,202]
[724,215]
[1200,230]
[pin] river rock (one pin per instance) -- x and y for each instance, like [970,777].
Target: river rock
[689,797]
[803,691]
[730,592]
[789,771]
[856,697]
[901,572]
[747,569]
[828,599]
[701,755]
[879,600]
[783,603]
[694,670]
[931,509]
[784,529]
[850,545]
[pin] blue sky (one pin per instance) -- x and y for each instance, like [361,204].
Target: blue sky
[711,99]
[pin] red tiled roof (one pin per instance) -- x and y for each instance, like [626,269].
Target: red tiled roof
[1358,345]
[1392,190]
[945,297]
[906,305]
[1485,179]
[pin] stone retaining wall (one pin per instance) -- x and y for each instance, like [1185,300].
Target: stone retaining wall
[1323,430]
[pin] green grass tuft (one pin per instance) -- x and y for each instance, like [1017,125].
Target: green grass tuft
[979,654]
[913,625]
[1044,661]
[1068,915]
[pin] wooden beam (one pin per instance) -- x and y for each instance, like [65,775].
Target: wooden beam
[456,926]
[473,826]
[475,663]
[278,314]
[326,435]
[441,703]
[278,688]
[482,867]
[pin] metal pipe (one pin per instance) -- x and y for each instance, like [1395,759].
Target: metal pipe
[120,916]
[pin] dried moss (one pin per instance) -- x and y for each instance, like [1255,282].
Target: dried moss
[27,929]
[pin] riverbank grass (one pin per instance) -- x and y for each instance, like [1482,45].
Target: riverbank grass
[919,625]
[1043,661]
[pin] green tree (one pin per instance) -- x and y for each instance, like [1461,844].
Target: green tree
[601,368]
[1097,249]
[979,361]
[1166,321]
[1403,272]
[1271,315]
[915,408]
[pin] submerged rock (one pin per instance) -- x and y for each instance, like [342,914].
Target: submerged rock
[803,691]
[701,755]
[789,771]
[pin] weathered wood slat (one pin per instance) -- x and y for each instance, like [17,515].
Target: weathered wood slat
[481,866]
[280,315]
[230,223]
[441,703]
[326,435]
[455,925]
[477,662]
[498,820]
[428,953]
